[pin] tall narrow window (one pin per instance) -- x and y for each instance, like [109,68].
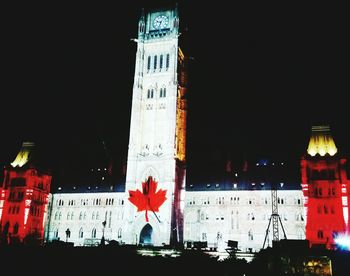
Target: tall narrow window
[81,233]
[160,62]
[151,94]
[164,92]
[155,63]
[167,61]
[148,93]
[148,63]
[93,233]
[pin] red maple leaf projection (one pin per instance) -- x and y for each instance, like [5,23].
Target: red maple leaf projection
[148,199]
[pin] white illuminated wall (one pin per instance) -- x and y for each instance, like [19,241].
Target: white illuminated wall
[83,214]
[243,216]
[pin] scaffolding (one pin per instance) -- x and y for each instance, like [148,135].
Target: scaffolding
[275,218]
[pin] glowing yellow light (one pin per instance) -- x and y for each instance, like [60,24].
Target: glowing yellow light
[321,142]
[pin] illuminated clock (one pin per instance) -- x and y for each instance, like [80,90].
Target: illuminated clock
[160,22]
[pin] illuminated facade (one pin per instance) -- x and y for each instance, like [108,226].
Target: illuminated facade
[155,177]
[326,189]
[83,217]
[151,207]
[214,213]
[24,197]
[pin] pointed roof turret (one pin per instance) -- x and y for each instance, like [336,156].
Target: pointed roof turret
[24,156]
[321,141]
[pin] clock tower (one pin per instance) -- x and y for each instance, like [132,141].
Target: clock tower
[156,170]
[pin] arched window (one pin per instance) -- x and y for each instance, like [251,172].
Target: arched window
[56,233]
[93,233]
[81,215]
[84,215]
[151,93]
[97,215]
[81,233]
[56,215]
[119,233]
[59,216]
[93,216]
[68,216]
[164,92]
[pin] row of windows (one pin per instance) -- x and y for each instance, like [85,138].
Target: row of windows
[68,233]
[84,202]
[235,200]
[35,211]
[157,64]
[20,196]
[319,192]
[13,209]
[324,209]
[83,215]
[250,216]
[162,93]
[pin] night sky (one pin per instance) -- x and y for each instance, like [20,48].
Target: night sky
[260,77]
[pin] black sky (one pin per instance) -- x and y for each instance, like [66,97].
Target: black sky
[260,76]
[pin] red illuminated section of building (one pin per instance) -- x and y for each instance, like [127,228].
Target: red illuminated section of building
[24,196]
[325,187]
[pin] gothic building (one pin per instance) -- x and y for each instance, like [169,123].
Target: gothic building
[326,189]
[152,206]
[24,197]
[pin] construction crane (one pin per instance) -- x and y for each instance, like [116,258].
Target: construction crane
[275,218]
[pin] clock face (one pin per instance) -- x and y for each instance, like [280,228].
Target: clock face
[160,22]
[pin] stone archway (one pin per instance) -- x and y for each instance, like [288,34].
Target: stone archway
[146,235]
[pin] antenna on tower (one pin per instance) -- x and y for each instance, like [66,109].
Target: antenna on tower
[275,218]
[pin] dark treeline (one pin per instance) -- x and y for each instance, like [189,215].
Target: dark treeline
[123,260]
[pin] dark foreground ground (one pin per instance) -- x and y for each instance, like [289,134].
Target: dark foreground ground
[122,260]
